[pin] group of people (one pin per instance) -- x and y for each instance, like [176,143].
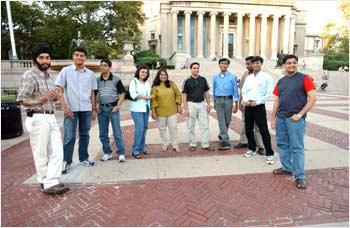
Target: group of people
[84,97]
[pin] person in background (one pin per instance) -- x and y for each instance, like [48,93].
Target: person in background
[165,105]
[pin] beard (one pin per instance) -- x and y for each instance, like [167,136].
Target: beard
[43,67]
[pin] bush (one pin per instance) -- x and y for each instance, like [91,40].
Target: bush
[334,60]
[170,67]
[149,58]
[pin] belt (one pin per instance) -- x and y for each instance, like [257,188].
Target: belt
[31,112]
[225,97]
[115,103]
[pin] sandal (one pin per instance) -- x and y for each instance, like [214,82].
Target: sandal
[301,183]
[281,171]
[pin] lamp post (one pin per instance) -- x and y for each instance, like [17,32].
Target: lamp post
[12,36]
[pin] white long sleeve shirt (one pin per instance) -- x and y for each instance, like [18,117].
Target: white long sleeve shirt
[257,88]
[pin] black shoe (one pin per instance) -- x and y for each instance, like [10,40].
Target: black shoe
[301,183]
[240,145]
[193,148]
[137,156]
[56,189]
[261,151]
[224,146]
[219,137]
[145,152]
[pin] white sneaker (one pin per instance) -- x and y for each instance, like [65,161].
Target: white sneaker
[107,157]
[269,160]
[176,148]
[121,158]
[164,148]
[249,153]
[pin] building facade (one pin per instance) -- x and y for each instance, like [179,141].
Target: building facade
[225,28]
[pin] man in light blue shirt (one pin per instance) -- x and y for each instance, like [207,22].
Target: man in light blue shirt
[225,92]
[79,104]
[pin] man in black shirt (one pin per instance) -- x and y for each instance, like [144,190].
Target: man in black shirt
[195,91]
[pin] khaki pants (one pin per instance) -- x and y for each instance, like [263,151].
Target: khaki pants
[243,138]
[47,148]
[169,122]
[198,111]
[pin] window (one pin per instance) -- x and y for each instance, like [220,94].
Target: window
[153,36]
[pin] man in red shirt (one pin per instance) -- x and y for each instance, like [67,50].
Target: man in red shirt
[295,96]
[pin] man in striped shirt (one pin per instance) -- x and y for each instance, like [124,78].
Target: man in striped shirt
[110,96]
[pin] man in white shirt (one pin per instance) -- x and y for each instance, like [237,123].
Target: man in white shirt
[256,90]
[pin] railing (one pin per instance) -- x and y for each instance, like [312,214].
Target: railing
[16,64]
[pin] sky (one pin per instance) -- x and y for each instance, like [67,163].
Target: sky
[319,12]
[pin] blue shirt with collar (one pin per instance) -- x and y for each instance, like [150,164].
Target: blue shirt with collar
[78,85]
[225,84]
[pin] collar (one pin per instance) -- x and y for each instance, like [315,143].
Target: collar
[76,68]
[40,73]
[109,78]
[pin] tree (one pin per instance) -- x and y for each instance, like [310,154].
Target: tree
[338,34]
[104,25]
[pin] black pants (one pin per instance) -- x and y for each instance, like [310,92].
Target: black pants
[257,115]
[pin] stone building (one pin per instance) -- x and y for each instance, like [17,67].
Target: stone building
[224,28]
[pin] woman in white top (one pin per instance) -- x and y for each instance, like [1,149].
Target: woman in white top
[140,90]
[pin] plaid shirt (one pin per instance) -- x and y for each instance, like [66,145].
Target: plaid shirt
[32,85]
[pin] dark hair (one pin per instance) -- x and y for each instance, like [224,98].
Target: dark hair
[79,49]
[156,81]
[137,73]
[289,57]
[194,63]
[224,60]
[257,59]
[109,63]
[249,58]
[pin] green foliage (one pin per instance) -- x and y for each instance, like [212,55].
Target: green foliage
[334,60]
[149,58]
[170,67]
[104,25]
[8,98]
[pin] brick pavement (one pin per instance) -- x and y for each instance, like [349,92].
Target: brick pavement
[258,199]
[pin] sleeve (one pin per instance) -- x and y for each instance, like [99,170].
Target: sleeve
[98,85]
[178,97]
[275,91]
[26,88]
[244,92]
[133,89]
[154,103]
[214,85]
[185,87]
[61,78]
[235,89]
[308,83]
[120,87]
[206,86]
[94,82]
[269,88]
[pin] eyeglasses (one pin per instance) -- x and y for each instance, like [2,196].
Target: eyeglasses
[104,65]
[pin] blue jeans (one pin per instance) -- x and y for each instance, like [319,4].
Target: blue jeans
[290,143]
[104,116]
[141,126]
[70,127]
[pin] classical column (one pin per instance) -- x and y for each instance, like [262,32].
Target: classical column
[239,43]
[225,40]
[263,35]
[274,38]
[252,33]
[212,34]
[174,26]
[291,34]
[164,32]
[200,34]
[286,34]
[188,32]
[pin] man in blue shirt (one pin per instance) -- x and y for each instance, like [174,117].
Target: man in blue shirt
[225,92]
[79,104]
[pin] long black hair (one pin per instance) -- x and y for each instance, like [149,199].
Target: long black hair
[156,81]
[137,73]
